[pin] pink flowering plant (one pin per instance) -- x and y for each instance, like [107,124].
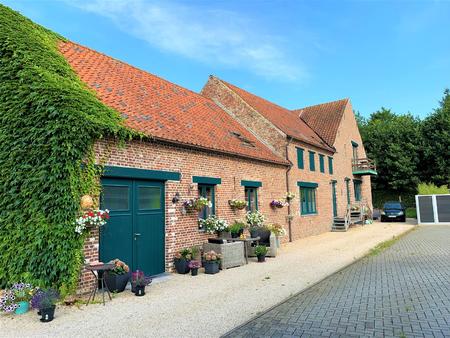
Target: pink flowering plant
[194,265]
[120,268]
[212,256]
[91,219]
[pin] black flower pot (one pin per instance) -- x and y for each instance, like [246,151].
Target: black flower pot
[237,234]
[117,283]
[182,266]
[263,234]
[139,290]
[211,268]
[194,272]
[47,314]
[261,258]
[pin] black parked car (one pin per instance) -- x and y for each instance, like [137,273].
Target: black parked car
[393,211]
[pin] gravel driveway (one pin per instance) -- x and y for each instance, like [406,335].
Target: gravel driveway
[210,305]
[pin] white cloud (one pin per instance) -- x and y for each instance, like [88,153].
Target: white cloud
[207,35]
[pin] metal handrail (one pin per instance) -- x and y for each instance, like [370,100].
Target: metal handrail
[363,164]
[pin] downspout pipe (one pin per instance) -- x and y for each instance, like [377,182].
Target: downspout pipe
[287,188]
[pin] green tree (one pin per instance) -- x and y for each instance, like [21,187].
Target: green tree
[393,141]
[435,130]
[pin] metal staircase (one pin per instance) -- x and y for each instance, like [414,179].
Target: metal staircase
[354,214]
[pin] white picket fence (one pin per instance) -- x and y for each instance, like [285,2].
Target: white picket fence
[433,209]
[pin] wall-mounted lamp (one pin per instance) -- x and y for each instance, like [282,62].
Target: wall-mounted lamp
[176,198]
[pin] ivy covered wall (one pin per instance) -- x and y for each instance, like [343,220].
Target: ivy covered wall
[49,121]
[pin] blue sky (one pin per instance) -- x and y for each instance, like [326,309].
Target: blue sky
[394,54]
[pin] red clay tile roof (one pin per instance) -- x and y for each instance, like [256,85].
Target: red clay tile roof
[324,118]
[284,119]
[161,109]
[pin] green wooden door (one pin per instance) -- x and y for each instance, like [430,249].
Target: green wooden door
[333,192]
[135,232]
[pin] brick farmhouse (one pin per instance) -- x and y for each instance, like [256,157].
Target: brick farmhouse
[223,143]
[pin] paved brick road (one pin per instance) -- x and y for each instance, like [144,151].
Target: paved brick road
[402,292]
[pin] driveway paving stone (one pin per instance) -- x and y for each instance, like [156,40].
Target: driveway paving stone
[404,291]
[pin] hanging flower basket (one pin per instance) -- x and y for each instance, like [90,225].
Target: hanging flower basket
[290,196]
[196,204]
[278,204]
[237,204]
[91,219]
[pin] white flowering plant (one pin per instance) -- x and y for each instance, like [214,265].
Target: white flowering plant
[197,203]
[91,219]
[237,204]
[255,219]
[212,224]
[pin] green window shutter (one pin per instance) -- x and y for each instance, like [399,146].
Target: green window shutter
[322,163]
[300,163]
[347,184]
[308,201]
[330,165]
[357,187]
[312,164]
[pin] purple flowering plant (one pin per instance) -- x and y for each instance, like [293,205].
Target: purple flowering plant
[278,204]
[194,264]
[44,299]
[8,302]
[138,278]
[19,292]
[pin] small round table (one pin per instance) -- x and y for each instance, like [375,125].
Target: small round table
[101,270]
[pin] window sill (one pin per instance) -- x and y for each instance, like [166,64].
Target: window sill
[309,215]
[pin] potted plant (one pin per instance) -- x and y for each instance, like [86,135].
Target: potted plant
[45,302]
[181,260]
[278,231]
[194,266]
[21,294]
[278,204]
[212,225]
[138,283]
[117,278]
[237,229]
[211,262]
[260,252]
[237,204]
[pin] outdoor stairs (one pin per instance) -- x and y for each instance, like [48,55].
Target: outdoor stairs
[353,215]
[339,224]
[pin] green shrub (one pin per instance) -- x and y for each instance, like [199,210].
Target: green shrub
[411,213]
[49,121]
[431,189]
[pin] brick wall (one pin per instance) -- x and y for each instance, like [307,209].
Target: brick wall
[348,131]
[182,229]
[307,225]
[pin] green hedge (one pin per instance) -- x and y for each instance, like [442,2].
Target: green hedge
[380,197]
[49,121]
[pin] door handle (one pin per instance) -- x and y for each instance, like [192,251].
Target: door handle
[136,234]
